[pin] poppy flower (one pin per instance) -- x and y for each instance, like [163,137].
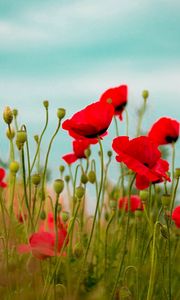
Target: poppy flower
[79,147]
[118,95]
[135,203]
[142,156]
[165,131]
[91,122]
[176,216]
[2,175]
[42,243]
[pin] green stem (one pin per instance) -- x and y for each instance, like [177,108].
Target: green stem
[125,240]
[141,114]
[106,240]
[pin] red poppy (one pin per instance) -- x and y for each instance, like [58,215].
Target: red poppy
[165,131]
[42,243]
[118,95]
[2,175]
[135,203]
[91,122]
[79,147]
[143,157]
[176,216]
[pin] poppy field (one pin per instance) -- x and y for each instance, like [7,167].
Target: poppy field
[128,248]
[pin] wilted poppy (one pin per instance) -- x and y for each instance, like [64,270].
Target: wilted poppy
[142,156]
[91,122]
[176,216]
[2,175]
[135,203]
[165,131]
[119,96]
[79,147]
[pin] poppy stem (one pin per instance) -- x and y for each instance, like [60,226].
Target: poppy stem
[125,239]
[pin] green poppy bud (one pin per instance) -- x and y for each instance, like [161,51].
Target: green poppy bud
[14,167]
[36,138]
[67,178]
[144,195]
[65,216]
[58,186]
[79,192]
[87,152]
[15,112]
[46,104]
[165,199]
[21,136]
[92,177]
[109,153]
[36,179]
[10,133]
[84,178]
[7,115]
[145,94]
[43,215]
[164,231]
[177,173]
[61,168]
[61,113]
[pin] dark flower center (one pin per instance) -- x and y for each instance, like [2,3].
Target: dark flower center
[171,139]
[146,164]
[96,134]
[120,107]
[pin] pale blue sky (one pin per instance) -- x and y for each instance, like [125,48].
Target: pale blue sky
[71,51]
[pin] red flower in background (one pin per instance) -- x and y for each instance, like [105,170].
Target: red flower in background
[118,95]
[91,122]
[2,175]
[165,131]
[176,216]
[143,157]
[42,243]
[79,147]
[135,203]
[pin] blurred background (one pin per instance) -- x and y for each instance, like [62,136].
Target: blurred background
[70,52]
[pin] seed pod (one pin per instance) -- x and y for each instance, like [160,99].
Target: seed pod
[79,192]
[7,115]
[87,152]
[67,178]
[46,103]
[36,179]
[10,133]
[165,199]
[61,168]
[177,173]
[92,177]
[84,178]
[145,94]
[14,167]
[61,113]
[58,186]
[144,195]
[21,136]
[109,153]
[65,216]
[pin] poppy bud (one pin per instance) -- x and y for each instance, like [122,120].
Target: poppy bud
[79,192]
[7,115]
[43,215]
[36,138]
[46,104]
[164,231]
[21,137]
[92,176]
[67,178]
[84,178]
[165,199]
[65,216]
[61,168]
[14,167]
[78,250]
[61,113]
[113,204]
[10,133]
[109,153]
[177,172]
[15,112]
[144,195]
[36,179]
[87,152]
[145,94]
[58,186]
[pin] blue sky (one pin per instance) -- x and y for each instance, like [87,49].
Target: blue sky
[71,51]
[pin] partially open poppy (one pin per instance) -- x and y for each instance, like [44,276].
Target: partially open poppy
[176,216]
[2,175]
[119,96]
[143,157]
[79,147]
[135,203]
[165,131]
[42,243]
[91,122]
